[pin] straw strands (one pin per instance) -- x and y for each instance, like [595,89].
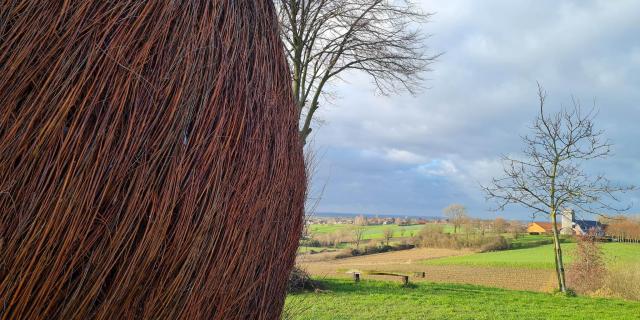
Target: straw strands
[150,164]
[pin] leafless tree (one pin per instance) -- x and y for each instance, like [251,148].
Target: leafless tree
[623,229]
[358,234]
[549,177]
[516,228]
[481,226]
[360,220]
[325,38]
[456,214]
[499,225]
[387,233]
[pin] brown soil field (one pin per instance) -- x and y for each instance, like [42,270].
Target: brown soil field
[408,261]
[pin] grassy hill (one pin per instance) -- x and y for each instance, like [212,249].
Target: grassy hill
[540,257]
[388,300]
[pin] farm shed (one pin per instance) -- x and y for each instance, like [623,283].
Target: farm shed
[539,228]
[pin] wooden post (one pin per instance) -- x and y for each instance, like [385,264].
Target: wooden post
[356,277]
[405,280]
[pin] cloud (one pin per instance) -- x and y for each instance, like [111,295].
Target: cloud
[414,154]
[438,168]
[403,156]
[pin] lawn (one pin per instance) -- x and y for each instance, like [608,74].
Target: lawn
[389,300]
[528,240]
[373,232]
[316,229]
[540,257]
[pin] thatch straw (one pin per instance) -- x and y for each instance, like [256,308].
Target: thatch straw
[150,166]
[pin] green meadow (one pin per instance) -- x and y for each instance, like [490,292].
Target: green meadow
[374,232]
[370,299]
[540,257]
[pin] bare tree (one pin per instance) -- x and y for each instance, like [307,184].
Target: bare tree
[623,229]
[499,225]
[387,233]
[548,178]
[325,38]
[358,234]
[360,220]
[456,214]
[481,225]
[516,228]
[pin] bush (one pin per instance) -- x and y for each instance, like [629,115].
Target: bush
[317,251]
[433,236]
[310,243]
[570,293]
[372,249]
[299,280]
[587,272]
[495,244]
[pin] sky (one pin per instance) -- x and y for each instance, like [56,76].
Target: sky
[414,155]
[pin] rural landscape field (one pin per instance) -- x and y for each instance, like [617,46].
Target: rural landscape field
[467,159]
[457,282]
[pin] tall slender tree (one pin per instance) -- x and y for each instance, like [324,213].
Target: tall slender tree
[548,177]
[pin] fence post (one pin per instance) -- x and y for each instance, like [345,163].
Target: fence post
[356,277]
[405,280]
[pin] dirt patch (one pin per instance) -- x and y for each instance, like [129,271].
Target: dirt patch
[408,261]
[394,257]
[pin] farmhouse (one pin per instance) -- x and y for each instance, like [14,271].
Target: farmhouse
[540,228]
[571,226]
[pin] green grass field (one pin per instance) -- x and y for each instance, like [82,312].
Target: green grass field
[540,257]
[372,232]
[528,241]
[388,300]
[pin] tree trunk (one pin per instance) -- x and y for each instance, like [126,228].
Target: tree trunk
[558,255]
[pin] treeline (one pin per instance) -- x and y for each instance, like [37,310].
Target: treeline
[623,228]
[332,239]
[481,235]
[434,236]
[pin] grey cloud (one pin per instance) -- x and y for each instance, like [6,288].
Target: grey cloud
[482,97]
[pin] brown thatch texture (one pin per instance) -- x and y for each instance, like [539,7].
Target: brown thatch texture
[150,165]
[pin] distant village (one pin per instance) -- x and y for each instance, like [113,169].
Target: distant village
[375,220]
[621,229]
